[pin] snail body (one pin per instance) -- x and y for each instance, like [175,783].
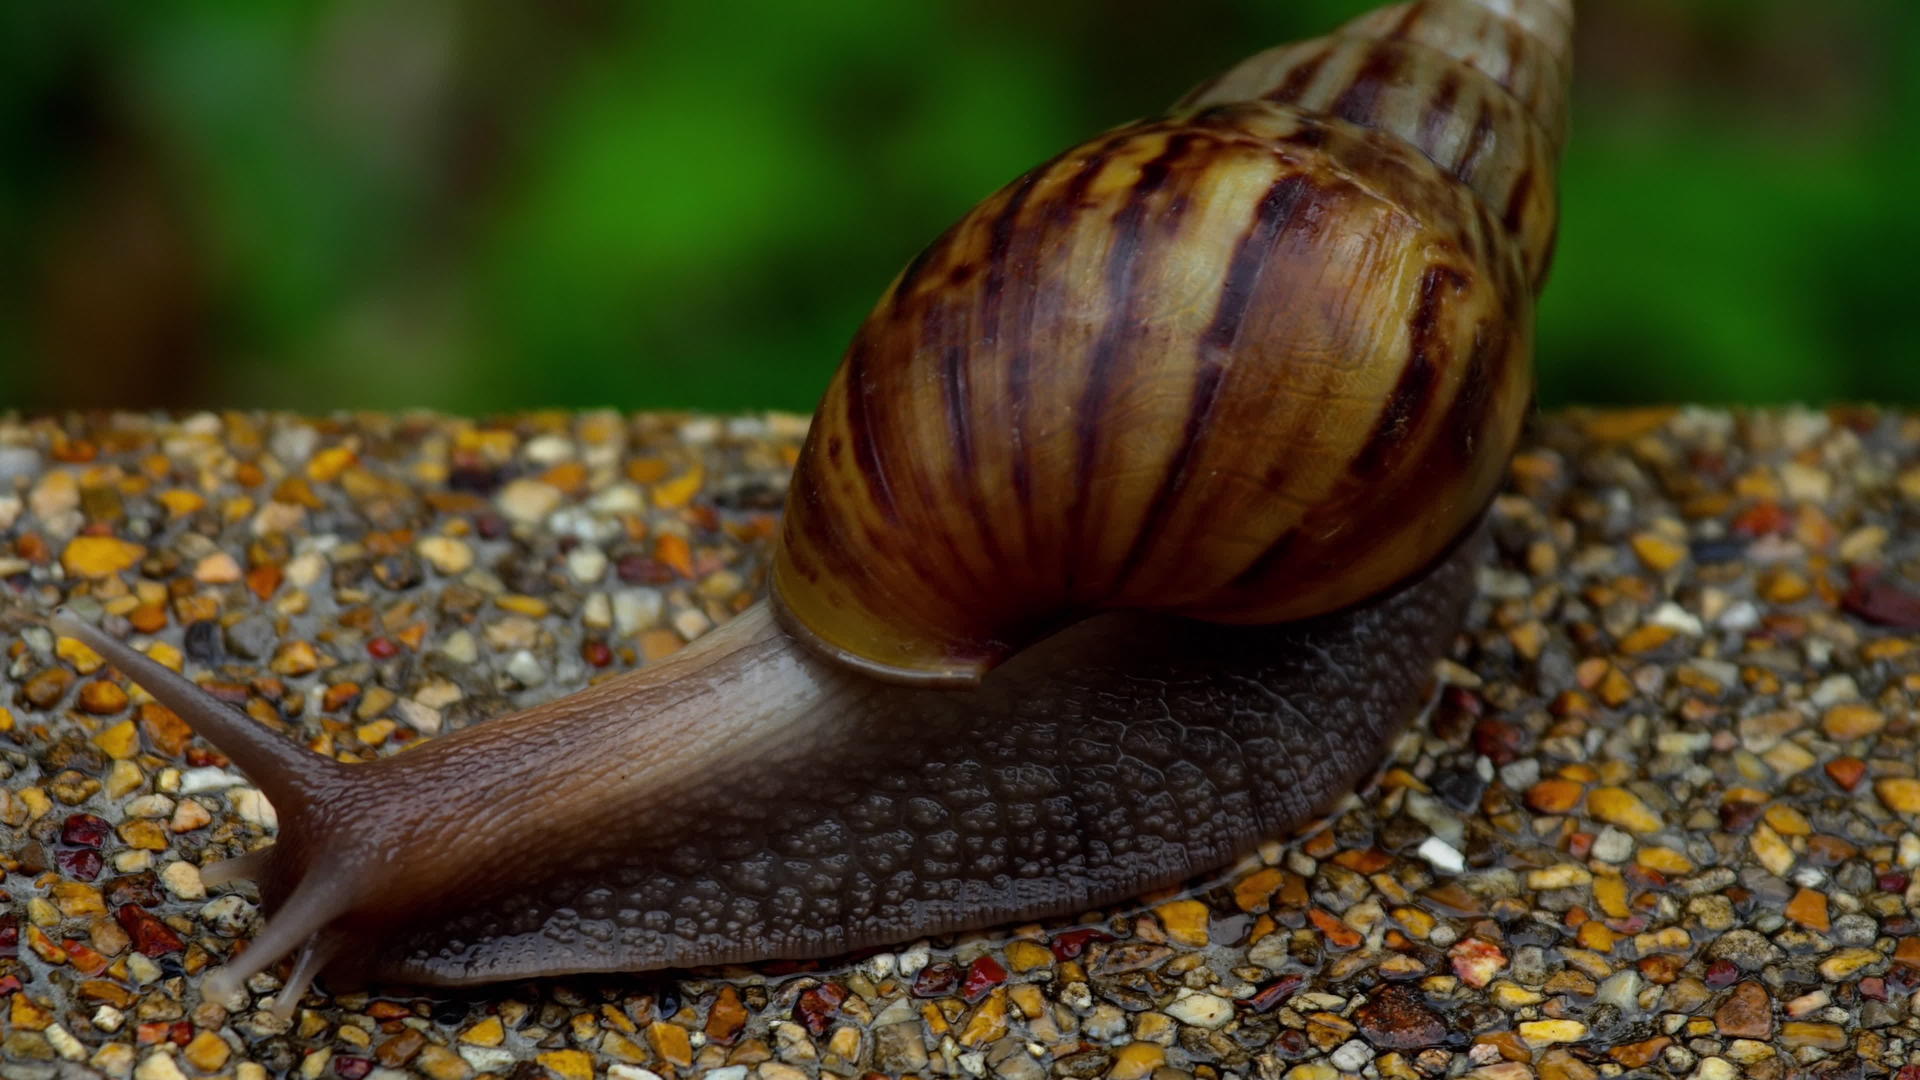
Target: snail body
[1121,541]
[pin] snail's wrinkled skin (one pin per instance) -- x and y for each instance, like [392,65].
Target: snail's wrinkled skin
[1264,358]
[631,826]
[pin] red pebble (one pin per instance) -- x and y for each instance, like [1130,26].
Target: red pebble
[1069,945]
[596,653]
[80,864]
[151,1032]
[151,937]
[982,975]
[817,1007]
[1764,518]
[85,830]
[935,979]
[1500,742]
[9,935]
[1878,598]
[382,648]
[1275,993]
[352,1068]
[1722,974]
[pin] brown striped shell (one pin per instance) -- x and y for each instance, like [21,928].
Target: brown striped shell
[1257,360]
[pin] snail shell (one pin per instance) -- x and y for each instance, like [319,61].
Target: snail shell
[1253,361]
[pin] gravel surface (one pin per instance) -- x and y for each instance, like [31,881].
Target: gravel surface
[1661,820]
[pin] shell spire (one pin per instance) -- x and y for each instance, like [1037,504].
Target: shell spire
[1480,86]
[1257,360]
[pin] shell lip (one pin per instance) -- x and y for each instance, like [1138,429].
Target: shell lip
[957,673]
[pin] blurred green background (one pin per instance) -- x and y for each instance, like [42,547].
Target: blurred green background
[359,203]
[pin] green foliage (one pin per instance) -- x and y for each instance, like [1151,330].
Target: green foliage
[482,207]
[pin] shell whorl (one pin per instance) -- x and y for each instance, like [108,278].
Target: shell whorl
[1257,360]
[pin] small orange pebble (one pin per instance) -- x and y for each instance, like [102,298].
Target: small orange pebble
[1809,909]
[1338,933]
[673,549]
[1847,771]
[1555,796]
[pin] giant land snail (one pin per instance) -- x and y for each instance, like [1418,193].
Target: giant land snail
[1122,540]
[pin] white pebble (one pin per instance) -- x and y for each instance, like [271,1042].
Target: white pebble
[1834,690]
[208,778]
[158,1066]
[252,806]
[420,717]
[182,879]
[526,670]
[635,610]
[635,1072]
[620,499]
[9,510]
[550,450]
[1612,845]
[65,1044]
[460,647]
[1201,1010]
[914,958]
[528,501]
[447,554]
[1676,618]
[108,1019]
[1442,855]
[306,569]
[597,612]
[691,623]
[1352,1056]
[487,1058]
[587,563]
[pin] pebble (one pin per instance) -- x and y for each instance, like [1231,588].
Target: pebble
[446,554]
[529,501]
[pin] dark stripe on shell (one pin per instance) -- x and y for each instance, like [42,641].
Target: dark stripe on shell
[1433,122]
[1125,254]
[860,432]
[1300,76]
[1413,391]
[1358,102]
[1271,219]
[1250,258]
[1516,213]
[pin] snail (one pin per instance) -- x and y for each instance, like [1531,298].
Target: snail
[1123,539]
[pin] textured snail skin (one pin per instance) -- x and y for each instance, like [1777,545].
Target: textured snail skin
[1262,359]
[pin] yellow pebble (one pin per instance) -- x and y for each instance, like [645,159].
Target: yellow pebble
[100,556]
[1901,794]
[208,1052]
[1028,956]
[568,1064]
[1618,806]
[119,742]
[488,1032]
[74,652]
[1852,721]
[1136,1061]
[1657,552]
[680,490]
[1185,920]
